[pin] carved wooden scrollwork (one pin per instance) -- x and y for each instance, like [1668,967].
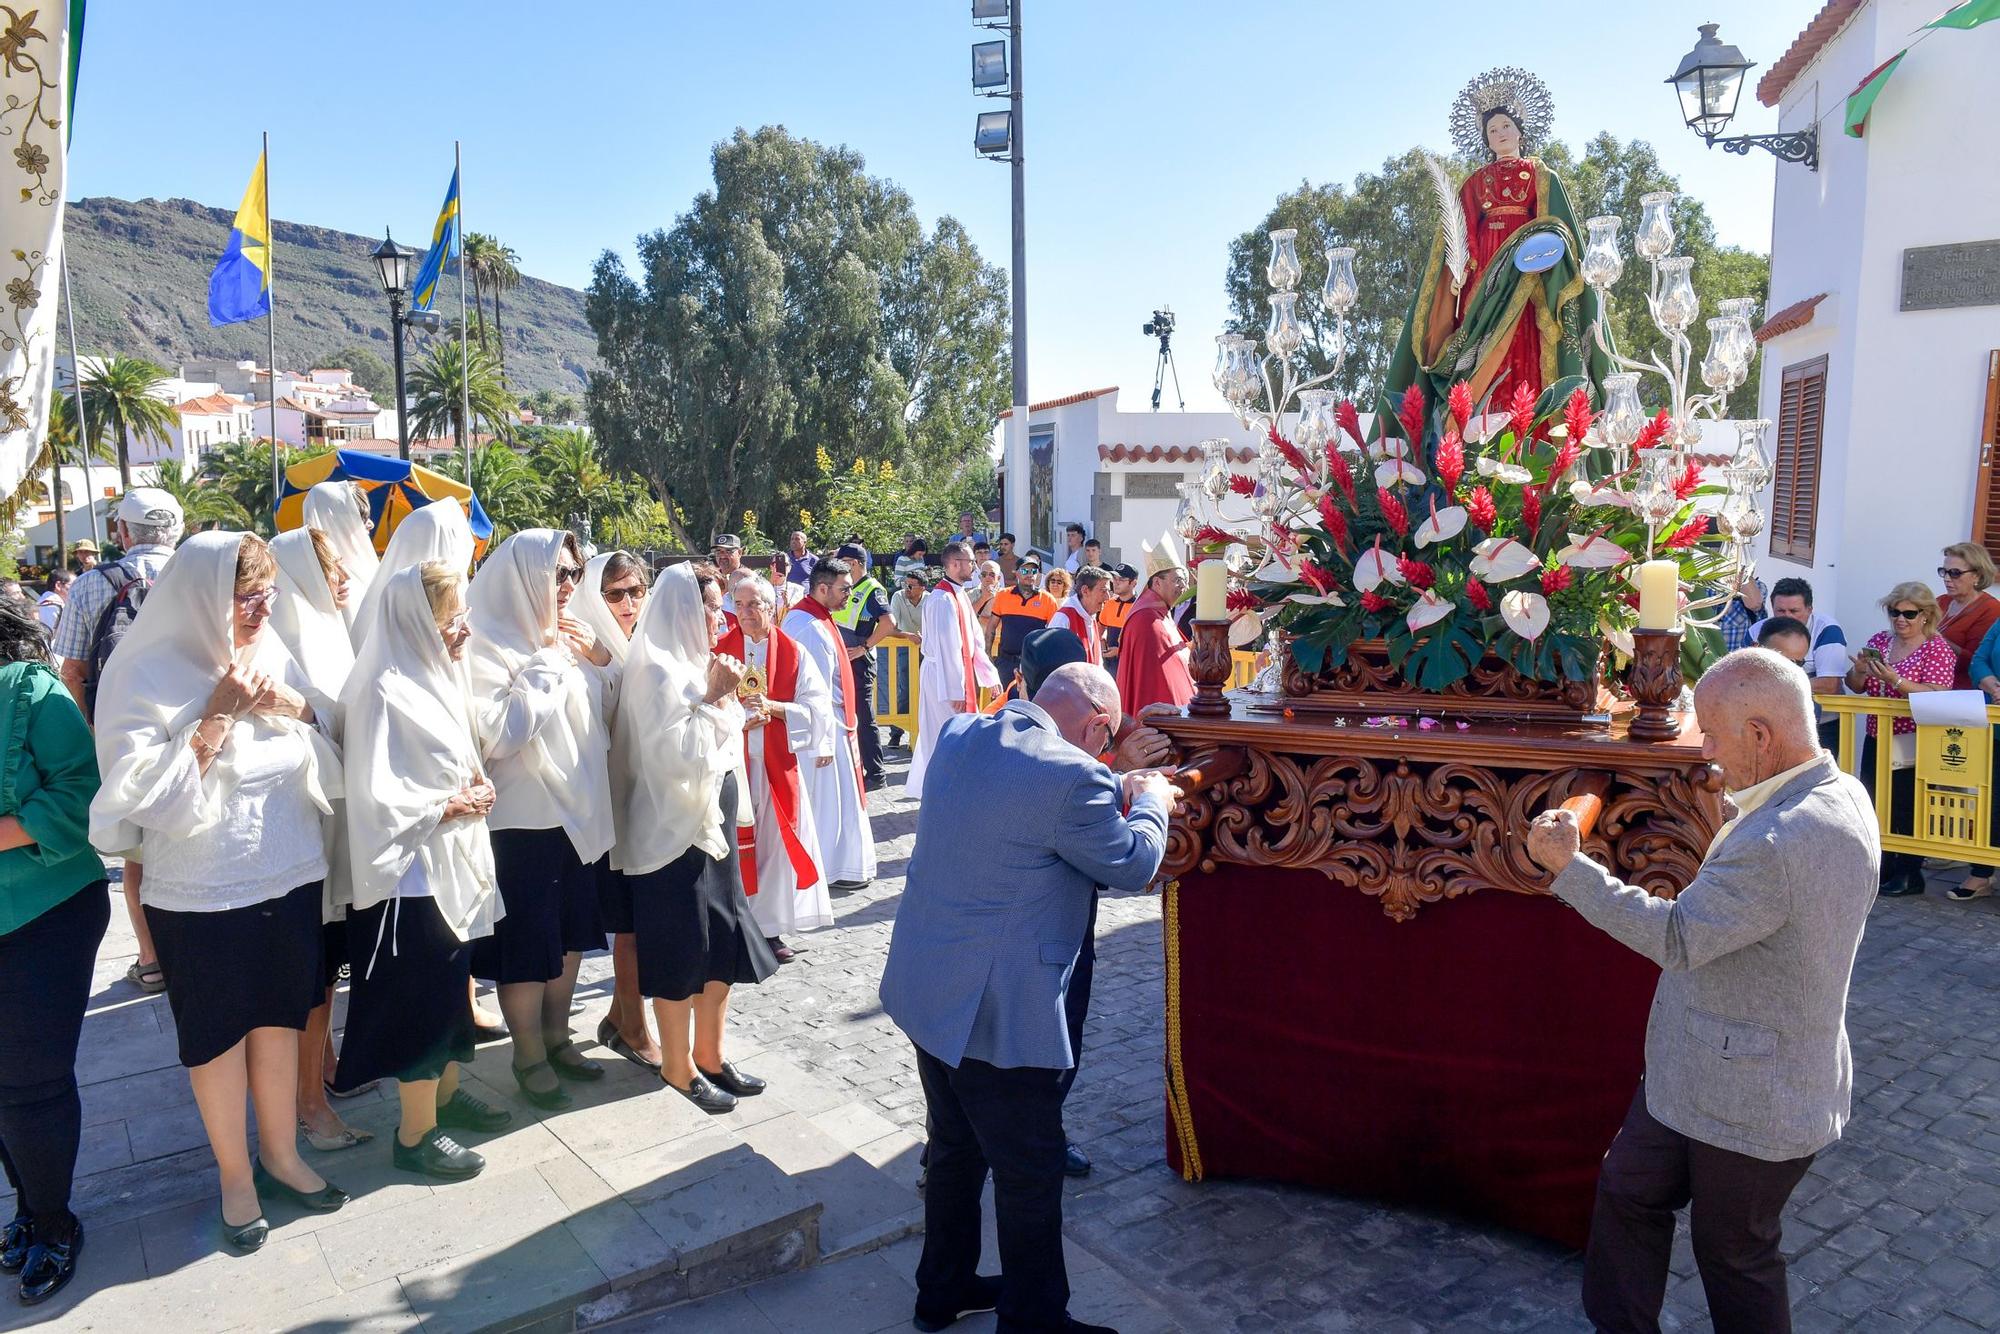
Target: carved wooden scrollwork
[1413,832]
[1366,682]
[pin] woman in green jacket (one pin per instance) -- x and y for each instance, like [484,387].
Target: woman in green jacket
[53,911]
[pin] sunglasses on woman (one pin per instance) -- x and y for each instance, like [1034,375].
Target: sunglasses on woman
[569,574]
[1947,572]
[630,593]
[260,600]
[1905,613]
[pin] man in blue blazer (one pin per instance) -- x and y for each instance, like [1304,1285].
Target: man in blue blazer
[986,941]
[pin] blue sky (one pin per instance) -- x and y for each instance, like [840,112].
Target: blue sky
[1154,131]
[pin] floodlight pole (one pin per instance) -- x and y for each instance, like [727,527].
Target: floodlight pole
[1015,502]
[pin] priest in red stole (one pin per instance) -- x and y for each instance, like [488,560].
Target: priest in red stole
[1078,613]
[839,798]
[787,708]
[1152,652]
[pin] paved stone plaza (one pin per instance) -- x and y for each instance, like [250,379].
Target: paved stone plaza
[1897,1228]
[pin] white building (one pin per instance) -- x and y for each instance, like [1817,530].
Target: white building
[1880,364]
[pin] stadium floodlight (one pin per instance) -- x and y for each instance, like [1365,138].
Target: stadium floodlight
[989,67]
[993,136]
[991,11]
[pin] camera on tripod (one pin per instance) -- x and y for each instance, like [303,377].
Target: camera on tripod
[1160,326]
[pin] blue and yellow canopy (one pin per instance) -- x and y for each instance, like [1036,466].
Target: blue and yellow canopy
[393,487]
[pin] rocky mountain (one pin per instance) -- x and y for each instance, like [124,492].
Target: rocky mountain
[141,267]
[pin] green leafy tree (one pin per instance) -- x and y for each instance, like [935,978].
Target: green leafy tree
[510,491]
[123,395]
[578,487]
[204,503]
[241,469]
[797,305]
[368,370]
[436,401]
[879,504]
[1390,218]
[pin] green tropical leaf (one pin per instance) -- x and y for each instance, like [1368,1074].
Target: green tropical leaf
[1446,654]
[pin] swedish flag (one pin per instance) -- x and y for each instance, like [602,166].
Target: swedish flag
[444,248]
[240,287]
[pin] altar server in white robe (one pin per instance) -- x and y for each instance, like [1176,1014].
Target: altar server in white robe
[955,664]
[789,733]
[839,801]
[339,510]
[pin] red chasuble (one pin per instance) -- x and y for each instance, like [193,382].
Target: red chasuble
[1152,658]
[781,767]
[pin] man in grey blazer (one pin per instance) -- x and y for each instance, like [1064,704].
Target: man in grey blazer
[986,941]
[1748,1073]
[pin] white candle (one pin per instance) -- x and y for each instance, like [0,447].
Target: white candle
[1659,595]
[1211,591]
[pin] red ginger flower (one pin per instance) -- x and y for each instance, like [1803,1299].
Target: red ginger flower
[1688,482]
[1480,509]
[1688,534]
[1531,509]
[1476,594]
[1419,575]
[1450,463]
[1290,453]
[1209,533]
[1521,413]
[1373,601]
[1654,432]
[1336,464]
[1577,415]
[1410,412]
[1566,457]
[1242,599]
[1350,421]
[1393,512]
[1556,579]
[1317,575]
[1334,521]
[1243,484]
[1459,402]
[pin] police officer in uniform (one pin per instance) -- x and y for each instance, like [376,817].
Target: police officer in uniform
[864,622]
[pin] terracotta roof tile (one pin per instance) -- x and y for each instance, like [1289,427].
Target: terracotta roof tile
[1833,15]
[1083,397]
[1795,316]
[212,405]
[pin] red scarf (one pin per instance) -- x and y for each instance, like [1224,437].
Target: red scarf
[781,767]
[947,589]
[810,605]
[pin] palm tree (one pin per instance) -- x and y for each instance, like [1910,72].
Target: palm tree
[577,482]
[122,395]
[437,403]
[476,255]
[241,469]
[494,268]
[203,503]
[57,440]
[508,489]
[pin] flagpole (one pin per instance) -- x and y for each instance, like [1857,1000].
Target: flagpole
[464,352]
[271,330]
[82,425]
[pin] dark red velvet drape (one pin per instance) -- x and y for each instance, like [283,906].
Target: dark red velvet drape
[1478,1058]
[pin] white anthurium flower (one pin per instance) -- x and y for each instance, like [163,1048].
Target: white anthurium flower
[1617,636]
[1485,426]
[1442,526]
[1595,552]
[1429,610]
[1389,447]
[1398,472]
[1374,568]
[1526,614]
[1275,571]
[1499,559]
[1315,599]
[1512,473]
[1606,497]
[1244,628]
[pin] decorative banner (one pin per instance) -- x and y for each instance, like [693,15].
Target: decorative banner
[34,67]
[1862,100]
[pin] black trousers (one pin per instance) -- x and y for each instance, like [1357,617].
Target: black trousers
[1735,1204]
[1009,1121]
[1902,808]
[45,968]
[867,740]
[1076,1001]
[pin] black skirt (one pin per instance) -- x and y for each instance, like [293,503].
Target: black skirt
[614,899]
[693,922]
[583,925]
[539,875]
[332,950]
[408,1011]
[229,972]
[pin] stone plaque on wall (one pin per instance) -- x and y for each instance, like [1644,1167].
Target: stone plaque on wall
[1153,485]
[1945,277]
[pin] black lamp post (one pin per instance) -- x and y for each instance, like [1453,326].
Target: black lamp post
[392,262]
[1709,83]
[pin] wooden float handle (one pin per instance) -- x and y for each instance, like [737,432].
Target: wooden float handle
[1220,767]
[1586,800]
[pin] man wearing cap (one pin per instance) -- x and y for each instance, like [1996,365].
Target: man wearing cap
[1152,652]
[148,527]
[83,555]
[864,622]
[725,552]
[955,664]
[1117,609]
[1020,611]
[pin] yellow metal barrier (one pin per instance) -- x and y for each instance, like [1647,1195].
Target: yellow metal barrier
[1954,779]
[896,685]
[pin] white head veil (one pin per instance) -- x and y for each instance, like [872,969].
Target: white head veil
[306,618]
[587,604]
[437,531]
[151,696]
[335,509]
[513,619]
[669,749]
[410,748]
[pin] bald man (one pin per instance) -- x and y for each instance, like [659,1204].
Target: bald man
[1748,1074]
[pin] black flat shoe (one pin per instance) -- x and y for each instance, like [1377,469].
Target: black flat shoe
[706,1096]
[462,1111]
[16,1240]
[50,1267]
[615,1041]
[439,1157]
[1902,887]
[848,886]
[569,1063]
[1076,1163]
[984,1295]
[326,1200]
[250,1237]
[554,1100]
[733,1081]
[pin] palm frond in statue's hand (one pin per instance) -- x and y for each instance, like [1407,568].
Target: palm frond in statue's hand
[1451,217]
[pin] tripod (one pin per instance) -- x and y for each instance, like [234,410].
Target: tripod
[1164,363]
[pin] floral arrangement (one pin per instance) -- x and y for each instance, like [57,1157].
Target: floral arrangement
[1510,535]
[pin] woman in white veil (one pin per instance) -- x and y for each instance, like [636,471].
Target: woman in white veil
[339,510]
[437,531]
[677,752]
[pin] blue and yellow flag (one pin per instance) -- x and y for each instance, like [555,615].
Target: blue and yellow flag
[444,248]
[240,287]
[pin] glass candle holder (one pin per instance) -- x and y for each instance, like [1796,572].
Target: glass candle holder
[1283,269]
[1677,305]
[1602,264]
[1283,334]
[1341,290]
[1655,237]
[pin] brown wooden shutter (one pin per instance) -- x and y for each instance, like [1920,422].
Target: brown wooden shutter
[1986,495]
[1795,480]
